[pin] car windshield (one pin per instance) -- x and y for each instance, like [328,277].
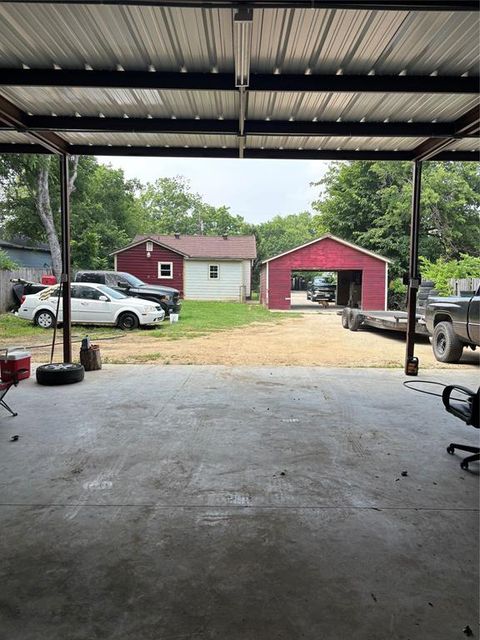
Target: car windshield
[318,281]
[116,295]
[132,280]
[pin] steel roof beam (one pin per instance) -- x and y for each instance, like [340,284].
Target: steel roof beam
[226,81]
[252,127]
[466,126]
[374,5]
[13,117]
[232,152]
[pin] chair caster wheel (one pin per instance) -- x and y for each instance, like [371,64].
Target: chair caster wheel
[450,450]
[464,465]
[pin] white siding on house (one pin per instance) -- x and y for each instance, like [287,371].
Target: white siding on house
[198,286]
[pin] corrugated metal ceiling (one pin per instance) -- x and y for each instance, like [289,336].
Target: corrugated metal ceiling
[284,41]
[290,40]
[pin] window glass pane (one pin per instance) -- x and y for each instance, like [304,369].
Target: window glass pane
[213,271]
[86,293]
[165,270]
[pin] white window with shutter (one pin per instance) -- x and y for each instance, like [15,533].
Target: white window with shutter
[165,270]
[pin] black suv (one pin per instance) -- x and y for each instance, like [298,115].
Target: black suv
[167,297]
[319,289]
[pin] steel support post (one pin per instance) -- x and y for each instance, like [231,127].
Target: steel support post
[66,268]
[411,362]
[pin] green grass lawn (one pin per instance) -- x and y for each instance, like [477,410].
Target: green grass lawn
[196,319]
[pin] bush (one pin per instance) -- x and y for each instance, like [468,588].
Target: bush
[397,295]
[441,271]
[6,263]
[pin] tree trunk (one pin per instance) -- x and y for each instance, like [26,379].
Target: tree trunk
[46,216]
[45,210]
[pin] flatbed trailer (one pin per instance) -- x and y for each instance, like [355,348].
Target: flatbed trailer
[354,319]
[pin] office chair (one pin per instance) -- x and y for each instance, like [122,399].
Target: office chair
[468,410]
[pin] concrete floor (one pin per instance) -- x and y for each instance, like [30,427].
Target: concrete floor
[174,503]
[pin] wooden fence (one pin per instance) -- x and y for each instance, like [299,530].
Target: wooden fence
[33,274]
[465,284]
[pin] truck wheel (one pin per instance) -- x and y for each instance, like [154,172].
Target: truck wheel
[128,321]
[345,317]
[446,346]
[165,308]
[355,320]
[59,373]
[45,319]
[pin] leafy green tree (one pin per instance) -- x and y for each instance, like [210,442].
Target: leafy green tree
[104,206]
[442,271]
[282,233]
[169,206]
[369,203]
[6,263]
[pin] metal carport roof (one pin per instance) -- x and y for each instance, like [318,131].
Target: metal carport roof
[258,79]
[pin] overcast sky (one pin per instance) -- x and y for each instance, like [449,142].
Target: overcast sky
[254,189]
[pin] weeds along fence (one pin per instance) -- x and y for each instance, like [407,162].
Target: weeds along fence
[464,284]
[33,274]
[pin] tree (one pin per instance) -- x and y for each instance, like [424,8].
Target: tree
[282,233]
[369,203]
[104,207]
[169,206]
[27,185]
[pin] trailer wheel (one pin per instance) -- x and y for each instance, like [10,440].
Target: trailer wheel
[59,373]
[355,320]
[345,317]
[446,345]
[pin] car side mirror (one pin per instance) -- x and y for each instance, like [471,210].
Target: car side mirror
[103,298]
[122,285]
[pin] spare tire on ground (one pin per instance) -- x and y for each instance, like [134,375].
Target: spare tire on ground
[59,373]
[345,317]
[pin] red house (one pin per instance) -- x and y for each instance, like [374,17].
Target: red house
[200,267]
[362,276]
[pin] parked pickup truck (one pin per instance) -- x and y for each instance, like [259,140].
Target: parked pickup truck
[319,290]
[167,297]
[454,323]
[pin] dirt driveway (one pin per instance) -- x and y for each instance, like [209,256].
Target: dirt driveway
[312,339]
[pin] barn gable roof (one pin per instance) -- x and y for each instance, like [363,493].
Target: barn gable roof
[336,239]
[217,247]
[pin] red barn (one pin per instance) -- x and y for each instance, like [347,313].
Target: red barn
[362,276]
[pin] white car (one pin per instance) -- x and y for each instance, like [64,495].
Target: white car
[91,304]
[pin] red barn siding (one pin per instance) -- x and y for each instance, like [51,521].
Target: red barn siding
[327,255]
[135,261]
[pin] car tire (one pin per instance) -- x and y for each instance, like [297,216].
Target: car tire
[128,321]
[355,320]
[165,308]
[446,345]
[45,319]
[59,373]
[345,317]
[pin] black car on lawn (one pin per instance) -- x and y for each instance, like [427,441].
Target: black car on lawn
[167,297]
